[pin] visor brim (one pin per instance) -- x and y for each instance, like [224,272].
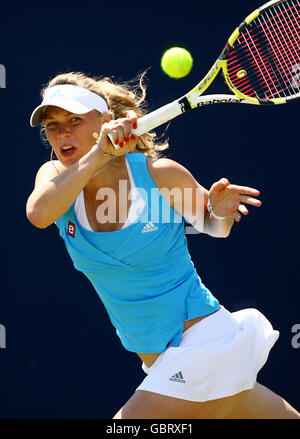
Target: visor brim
[37,115]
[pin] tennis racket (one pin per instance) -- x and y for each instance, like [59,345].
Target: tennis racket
[260,63]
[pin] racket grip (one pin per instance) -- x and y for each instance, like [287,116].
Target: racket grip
[112,142]
[154,119]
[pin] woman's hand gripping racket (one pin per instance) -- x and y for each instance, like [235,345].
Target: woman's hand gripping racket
[260,64]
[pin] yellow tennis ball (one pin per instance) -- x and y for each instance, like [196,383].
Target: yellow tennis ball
[177,62]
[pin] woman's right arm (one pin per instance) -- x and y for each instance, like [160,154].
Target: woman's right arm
[54,193]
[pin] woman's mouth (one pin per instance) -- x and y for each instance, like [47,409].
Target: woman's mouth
[67,150]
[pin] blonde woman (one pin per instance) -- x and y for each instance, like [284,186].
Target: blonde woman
[200,360]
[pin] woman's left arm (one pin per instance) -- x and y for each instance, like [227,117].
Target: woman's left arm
[190,199]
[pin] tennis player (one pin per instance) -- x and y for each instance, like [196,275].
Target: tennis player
[200,360]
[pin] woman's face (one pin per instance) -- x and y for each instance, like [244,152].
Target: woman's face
[71,135]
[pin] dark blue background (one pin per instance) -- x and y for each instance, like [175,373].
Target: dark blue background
[63,359]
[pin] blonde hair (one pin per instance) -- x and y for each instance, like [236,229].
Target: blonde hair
[120,98]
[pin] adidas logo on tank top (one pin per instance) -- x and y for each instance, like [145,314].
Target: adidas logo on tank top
[178,377]
[149,227]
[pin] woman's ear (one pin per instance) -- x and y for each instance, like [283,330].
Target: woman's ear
[106,117]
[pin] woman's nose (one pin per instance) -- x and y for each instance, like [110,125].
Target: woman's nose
[64,130]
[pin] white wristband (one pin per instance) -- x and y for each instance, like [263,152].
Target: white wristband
[211,211]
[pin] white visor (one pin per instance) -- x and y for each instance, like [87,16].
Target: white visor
[72,98]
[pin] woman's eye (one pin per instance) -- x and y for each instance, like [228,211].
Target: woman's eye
[53,124]
[50,124]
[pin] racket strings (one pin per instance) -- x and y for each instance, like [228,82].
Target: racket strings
[291,48]
[265,60]
[281,51]
[268,70]
[284,47]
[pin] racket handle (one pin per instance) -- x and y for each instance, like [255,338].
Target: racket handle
[112,142]
[154,119]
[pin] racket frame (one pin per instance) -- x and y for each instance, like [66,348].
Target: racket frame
[194,98]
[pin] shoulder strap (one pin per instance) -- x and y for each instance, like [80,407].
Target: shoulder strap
[157,204]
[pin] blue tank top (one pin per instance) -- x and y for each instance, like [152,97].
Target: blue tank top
[143,273]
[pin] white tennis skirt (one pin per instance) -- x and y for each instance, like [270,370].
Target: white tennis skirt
[219,356]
